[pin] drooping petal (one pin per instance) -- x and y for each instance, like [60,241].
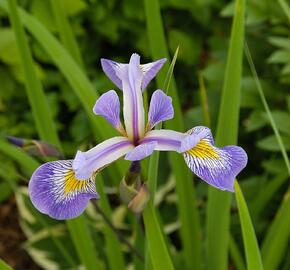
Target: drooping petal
[141,151]
[160,108]
[54,190]
[132,99]
[216,166]
[167,140]
[150,70]
[108,105]
[85,163]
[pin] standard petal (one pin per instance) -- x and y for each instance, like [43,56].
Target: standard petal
[160,108]
[54,190]
[216,166]
[167,140]
[141,151]
[86,163]
[150,70]
[132,99]
[108,105]
[112,68]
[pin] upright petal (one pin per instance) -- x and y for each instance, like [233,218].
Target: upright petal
[111,68]
[86,163]
[216,166]
[150,70]
[132,99]
[108,105]
[160,109]
[54,190]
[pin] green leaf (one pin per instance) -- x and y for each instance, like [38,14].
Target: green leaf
[37,99]
[279,57]
[158,251]
[218,208]
[253,256]
[275,243]
[270,143]
[187,209]
[4,266]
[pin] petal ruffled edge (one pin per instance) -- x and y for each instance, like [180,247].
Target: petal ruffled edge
[216,166]
[55,191]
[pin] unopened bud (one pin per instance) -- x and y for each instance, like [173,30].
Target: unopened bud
[35,147]
[139,202]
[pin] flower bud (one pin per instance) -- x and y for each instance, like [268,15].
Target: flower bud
[139,202]
[35,147]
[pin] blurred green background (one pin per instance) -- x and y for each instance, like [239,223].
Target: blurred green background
[115,29]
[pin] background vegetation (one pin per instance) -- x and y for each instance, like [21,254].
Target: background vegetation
[66,40]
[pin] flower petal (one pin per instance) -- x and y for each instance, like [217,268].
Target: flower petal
[150,70]
[108,105]
[54,190]
[133,101]
[86,163]
[160,108]
[216,166]
[111,68]
[167,140]
[141,151]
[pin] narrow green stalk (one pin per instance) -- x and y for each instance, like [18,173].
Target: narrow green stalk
[203,101]
[65,32]
[4,266]
[39,106]
[44,124]
[267,109]
[285,7]
[269,190]
[158,251]
[190,228]
[236,254]
[113,246]
[218,208]
[83,243]
[276,241]
[253,256]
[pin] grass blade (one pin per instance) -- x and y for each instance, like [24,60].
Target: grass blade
[236,255]
[275,243]
[41,112]
[83,243]
[4,266]
[218,208]
[66,34]
[73,73]
[267,109]
[253,256]
[35,93]
[190,228]
[158,251]
[113,246]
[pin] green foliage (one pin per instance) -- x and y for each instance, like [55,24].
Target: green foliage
[59,56]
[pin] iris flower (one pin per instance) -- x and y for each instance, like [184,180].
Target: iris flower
[62,189]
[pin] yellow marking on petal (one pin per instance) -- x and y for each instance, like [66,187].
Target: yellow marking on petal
[71,183]
[203,150]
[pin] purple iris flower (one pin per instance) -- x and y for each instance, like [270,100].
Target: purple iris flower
[62,189]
